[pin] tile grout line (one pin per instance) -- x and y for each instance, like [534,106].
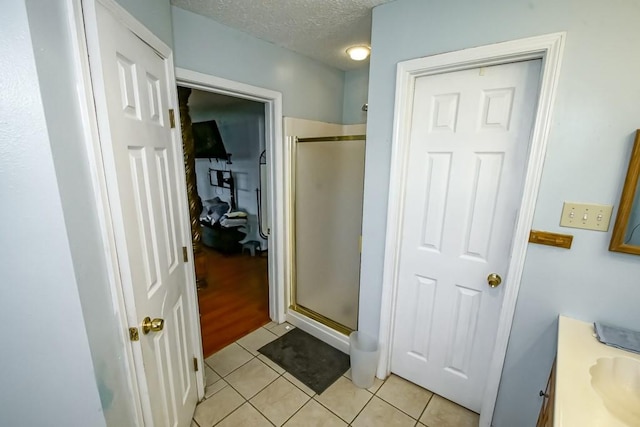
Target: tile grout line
[249,402]
[216,392]
[249,350]
[260,412]
[242,347]
[309,397]
[328,409]
[245,400]
[300,408]
[313,398]
[354,418]
[260,390]
[254,356]
[394,406]
[282,376]
[404,412]
[426,406]
[372,394]
[234,410]
[362,409]
[221,376]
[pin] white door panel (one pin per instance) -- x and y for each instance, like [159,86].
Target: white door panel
[469,143]
[143,158]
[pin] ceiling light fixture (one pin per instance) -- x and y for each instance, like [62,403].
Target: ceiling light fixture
[359,53]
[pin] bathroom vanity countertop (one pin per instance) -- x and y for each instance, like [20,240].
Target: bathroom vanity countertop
[576,401]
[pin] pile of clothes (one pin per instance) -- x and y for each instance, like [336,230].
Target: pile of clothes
[233,219]
[222,227]
[218,212]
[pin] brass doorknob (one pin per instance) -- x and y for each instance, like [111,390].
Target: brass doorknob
[494,280]
[154,325]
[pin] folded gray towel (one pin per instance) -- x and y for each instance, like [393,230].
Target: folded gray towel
[622,338]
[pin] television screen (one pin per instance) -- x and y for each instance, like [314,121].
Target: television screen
[207,141]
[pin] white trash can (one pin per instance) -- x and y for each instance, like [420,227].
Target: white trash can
[363,350]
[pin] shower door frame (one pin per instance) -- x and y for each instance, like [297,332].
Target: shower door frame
[298,313]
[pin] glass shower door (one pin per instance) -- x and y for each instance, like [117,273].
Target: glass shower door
[329,180]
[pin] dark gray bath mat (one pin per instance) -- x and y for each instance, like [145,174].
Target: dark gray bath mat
[308,359]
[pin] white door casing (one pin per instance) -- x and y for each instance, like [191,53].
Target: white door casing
[134,89]
[549,48]
[279,249]
[469,140]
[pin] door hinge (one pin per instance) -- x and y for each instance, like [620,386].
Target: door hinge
[172,118]
[185,254]
[195,364]
[133,334]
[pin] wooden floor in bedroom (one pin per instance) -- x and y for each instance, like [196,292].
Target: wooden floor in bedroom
[236,299]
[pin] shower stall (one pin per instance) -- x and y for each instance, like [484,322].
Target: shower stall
[327,190]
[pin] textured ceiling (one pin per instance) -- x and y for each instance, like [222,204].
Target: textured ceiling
[320,29]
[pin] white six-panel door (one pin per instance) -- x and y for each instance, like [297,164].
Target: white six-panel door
[143,157]
[468,150]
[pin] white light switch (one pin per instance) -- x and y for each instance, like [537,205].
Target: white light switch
[588,216]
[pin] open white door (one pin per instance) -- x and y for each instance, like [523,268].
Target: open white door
[468,149]
[134,89]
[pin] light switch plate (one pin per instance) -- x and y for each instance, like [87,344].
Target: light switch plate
[587,216]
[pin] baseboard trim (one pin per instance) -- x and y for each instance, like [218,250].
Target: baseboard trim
[323,333]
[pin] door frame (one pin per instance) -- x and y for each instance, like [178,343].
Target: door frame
[274,145]
[549,48]
[81,13]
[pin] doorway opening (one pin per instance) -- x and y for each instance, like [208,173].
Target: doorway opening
[232,266]
[237,137]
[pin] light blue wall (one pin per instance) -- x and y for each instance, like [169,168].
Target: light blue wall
[595,117]
[356,88]
[46,371]
[58,80]
[154,14]
[310,90]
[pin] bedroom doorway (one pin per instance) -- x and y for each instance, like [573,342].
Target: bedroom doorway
[229,151]
[232,138]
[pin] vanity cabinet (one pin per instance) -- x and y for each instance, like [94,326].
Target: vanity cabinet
[545,419]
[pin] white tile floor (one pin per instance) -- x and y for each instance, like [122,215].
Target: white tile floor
[244,388]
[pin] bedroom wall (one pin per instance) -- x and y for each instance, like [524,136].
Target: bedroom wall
[46,370]
[592,130]
[310,90]
[242,130]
